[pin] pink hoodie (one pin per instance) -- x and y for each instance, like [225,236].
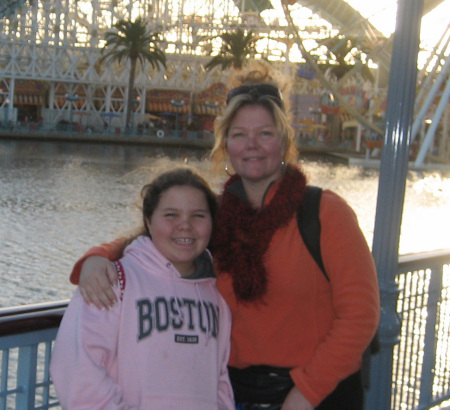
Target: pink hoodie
[164,346]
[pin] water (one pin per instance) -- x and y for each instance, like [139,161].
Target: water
[59,199]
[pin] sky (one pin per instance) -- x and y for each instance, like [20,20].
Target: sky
[382,14]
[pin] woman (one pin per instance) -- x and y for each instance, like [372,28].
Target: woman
[294,332]
[166,343]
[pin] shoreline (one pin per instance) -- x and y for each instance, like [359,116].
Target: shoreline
[95,138]
[333,154]
[134,139]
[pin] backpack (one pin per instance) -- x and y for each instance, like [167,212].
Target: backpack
[309,227]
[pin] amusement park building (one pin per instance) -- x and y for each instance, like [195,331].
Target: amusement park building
[51,68]
[50,54]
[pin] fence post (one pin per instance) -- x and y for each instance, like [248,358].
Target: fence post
[429,348]
[391,192]
[26,377]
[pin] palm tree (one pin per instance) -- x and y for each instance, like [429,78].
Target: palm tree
[237,46]
[322,78]
[344,55]
[133,41]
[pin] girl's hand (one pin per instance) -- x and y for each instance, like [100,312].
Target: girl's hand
[296,401]
[97,278]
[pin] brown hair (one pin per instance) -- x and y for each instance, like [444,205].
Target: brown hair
[182,176]
[151,195]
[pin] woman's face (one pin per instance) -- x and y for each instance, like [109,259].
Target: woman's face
[254,146]
[180,226]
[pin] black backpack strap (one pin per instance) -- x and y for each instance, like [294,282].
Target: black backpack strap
[309,224]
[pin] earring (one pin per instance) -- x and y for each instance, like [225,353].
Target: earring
[226,169]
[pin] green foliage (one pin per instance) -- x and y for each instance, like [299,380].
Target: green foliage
[237,47]
[133,40]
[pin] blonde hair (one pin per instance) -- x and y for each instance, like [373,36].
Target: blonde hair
[256,73]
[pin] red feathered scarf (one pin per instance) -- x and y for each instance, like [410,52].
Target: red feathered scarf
[243,233]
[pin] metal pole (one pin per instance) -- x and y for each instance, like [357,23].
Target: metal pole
[429,137]
[6,109]
[391,192]
[71,99]
[12,91]
[70,116]
[434,90]
[177,105]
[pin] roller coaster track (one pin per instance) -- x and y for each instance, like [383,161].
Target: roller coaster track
[61,49]
[350,22]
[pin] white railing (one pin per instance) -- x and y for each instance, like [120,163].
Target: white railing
[26,337]
[420,375]
[421,372]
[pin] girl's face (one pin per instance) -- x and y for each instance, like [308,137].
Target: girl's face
[254,146]
[181,226]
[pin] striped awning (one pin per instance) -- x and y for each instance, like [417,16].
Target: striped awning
[171,101]
[207,109]
[211,101]
[60,100]
[24,99]
[158,106]
[27,99]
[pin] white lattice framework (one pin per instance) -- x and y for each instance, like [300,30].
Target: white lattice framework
[59,44]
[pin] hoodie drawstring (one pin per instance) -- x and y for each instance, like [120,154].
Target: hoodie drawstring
[205,310]
[174,292]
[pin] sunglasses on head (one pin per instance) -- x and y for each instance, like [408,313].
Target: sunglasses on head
[256,91]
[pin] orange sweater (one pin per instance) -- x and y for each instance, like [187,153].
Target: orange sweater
[318,328]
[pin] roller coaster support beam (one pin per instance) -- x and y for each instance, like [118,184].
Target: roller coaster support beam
[391,193]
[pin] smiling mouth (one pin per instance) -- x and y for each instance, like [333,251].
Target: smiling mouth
[184,241]
[254,159]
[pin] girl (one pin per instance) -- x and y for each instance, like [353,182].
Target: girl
[298,336]
[166,344]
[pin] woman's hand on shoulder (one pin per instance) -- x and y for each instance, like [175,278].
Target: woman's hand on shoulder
[97,278]
[296,401]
